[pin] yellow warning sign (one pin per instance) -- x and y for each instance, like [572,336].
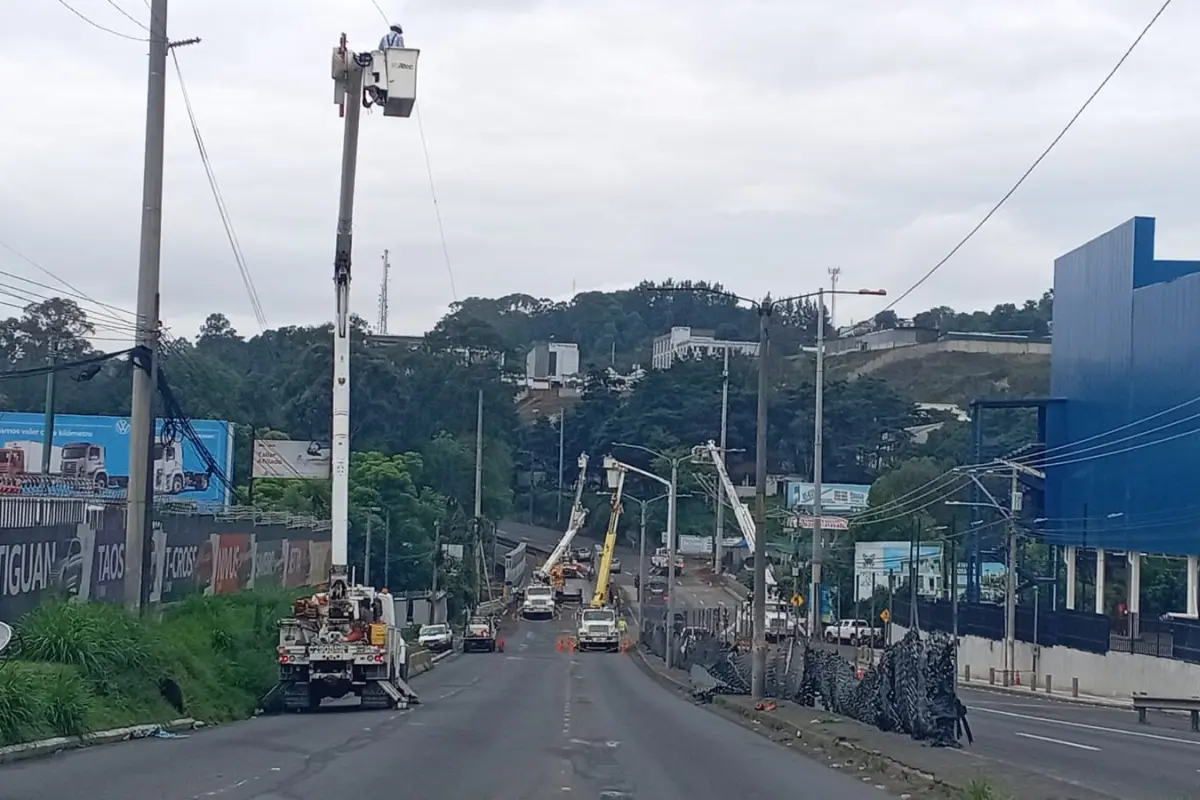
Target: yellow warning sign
[797,599]
[885,615]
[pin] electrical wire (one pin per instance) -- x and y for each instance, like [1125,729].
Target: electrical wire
[64,366]
[128,16]
[222,209]
[97,25]
[1037,162]
[437,209]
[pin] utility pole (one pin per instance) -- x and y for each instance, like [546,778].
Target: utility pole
[642,570]
[48,425]
[818,544]
[718,549]
[367,555]
[479,457]
[437,551]
[562,427]
[672,499]
[1010,582]
[758,675]
[147,296]
[834,273]
[387,548]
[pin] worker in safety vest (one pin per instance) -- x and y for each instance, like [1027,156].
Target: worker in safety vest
[621,626]
[393,39]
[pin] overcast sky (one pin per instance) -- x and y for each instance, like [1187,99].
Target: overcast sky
[591,145]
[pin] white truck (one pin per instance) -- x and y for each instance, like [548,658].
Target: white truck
[852,631]
[329,649]
[539,601]
[598,630]
[480,634]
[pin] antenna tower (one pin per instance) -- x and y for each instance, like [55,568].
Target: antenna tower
[383,296]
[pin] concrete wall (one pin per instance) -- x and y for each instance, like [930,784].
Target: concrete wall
[899,354]
[1117,675]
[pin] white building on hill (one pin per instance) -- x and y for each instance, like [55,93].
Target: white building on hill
[684,342]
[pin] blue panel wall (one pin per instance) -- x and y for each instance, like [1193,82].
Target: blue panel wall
[1126,348]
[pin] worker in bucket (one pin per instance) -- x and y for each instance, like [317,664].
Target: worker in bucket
[393,39]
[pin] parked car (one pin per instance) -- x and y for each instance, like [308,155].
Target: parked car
[616,565]
[437,638]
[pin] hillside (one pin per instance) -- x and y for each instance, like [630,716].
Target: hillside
[957,378]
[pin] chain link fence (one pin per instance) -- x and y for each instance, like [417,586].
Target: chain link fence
[911,690]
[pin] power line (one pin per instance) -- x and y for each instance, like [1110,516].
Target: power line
[222,209]
[437,210]
[1037,162]
[77,293]
[97,25]
[128,16]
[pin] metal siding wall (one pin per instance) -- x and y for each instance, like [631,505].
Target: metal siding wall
[1122,354]
[1090,367]
[1163,512]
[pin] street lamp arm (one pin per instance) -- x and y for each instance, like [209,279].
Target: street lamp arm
[644,473]
[644,449]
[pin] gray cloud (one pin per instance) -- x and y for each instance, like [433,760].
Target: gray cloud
[598,144]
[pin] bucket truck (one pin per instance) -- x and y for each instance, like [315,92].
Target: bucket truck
[346,639]
[578,515]
[598,625]
[778,619]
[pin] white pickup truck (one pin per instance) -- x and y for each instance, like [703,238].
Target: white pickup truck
[853,631]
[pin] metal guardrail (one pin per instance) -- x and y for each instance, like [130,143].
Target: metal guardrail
[1143,703]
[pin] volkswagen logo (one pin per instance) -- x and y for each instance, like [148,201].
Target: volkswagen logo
[123,426]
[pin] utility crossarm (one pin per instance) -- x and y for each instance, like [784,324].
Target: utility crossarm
[604,568]
[578,515]
[744,518]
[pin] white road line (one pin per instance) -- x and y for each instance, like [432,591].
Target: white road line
[1058,741]
[1086,727]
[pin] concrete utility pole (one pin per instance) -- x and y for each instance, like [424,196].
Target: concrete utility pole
[834,274]
[147,296]
[758,674]
[1010,582]
[479,456]
[367,555]
[562,427]
[48,425]
[718,549]
[818,544]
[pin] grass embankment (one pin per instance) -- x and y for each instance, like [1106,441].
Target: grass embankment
[80,668]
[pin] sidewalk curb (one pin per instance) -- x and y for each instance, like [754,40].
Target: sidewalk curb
[46,747]
[1012,691]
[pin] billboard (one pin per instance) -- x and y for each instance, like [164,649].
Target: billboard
[874,561]
[94,451]
[286,458]
[835,497]
[190,555]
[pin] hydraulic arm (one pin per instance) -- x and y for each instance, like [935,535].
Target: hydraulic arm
[603,571]
[578,514]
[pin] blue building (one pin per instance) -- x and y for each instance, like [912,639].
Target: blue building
[1123,454]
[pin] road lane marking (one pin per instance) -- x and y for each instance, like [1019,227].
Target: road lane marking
[1058,741]
[1086,727]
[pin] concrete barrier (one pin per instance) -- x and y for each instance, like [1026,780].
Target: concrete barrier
[1113,675]
[45,747]
[419,662]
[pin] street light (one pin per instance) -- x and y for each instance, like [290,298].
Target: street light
[642,554]
[614,467]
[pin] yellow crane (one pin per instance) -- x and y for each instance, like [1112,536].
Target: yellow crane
[603,574]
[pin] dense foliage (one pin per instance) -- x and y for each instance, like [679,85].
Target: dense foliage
[414,409]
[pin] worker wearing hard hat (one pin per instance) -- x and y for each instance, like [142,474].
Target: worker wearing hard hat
[393,39]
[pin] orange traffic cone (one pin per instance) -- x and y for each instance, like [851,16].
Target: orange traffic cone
[558,647]
[1017,673]
[500,645]
[858,673]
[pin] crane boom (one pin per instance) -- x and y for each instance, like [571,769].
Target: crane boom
[740,512]
[604,569]
[578,515]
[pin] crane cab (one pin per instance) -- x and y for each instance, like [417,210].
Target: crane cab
[391,80]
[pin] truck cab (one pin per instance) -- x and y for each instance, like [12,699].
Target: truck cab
[480,634]
[598,630]
[169,477]
[539,602]
[85,460]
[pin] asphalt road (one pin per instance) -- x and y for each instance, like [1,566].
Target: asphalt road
[1101,749]
[528,724]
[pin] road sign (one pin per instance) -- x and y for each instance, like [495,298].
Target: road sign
[808,522]
[797,599]
[5,636]
[885,615]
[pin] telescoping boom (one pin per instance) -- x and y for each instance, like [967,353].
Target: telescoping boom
[578,515]
[604,569]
